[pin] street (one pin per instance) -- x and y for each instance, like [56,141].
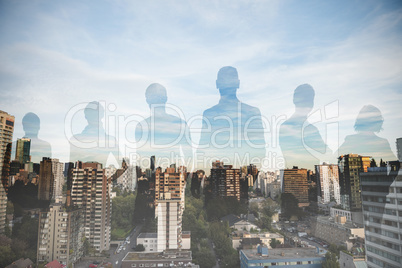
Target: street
[115,258]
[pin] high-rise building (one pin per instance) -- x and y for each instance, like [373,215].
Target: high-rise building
[60,235]
[15,167]
[22,151]
[253,171]
[68,167]
[152,166]
[68,175]
[350,166]
[169,205]
[295,182]
[399,148]
[382,202]
[51,179]
[3,208]
[328,183]
[6,138]
[225,180]
[91,191]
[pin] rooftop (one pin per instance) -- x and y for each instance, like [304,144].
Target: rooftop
[21,263]
[231,219]
[147,235]
[284,253]
[328,219]
[166,255]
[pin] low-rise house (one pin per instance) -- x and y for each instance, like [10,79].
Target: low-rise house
[54,264]
[244,225]
[241,239]
[21,263]
[150,241]
[336,230]
[167,258]
[289,257]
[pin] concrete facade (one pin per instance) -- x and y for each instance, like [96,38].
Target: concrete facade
[286,257]
[91,191]
[382,211]
[60,235]
[336,230]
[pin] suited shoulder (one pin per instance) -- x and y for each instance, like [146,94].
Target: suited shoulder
[212,111]
[250,109]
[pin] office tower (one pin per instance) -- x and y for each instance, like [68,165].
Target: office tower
[152,166]
[68,175]
[58,179]
[169,201]
[51,179]
[22,151]
[295,182]
[91,191]
[68,167]
[6,138]
[253,171]
[225,180]
[3,208]
[382,202]
[399,148]
[328,183]
[60,235]
[15,167]
[350,166]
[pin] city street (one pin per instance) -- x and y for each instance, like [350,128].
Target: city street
[115,258]
[210,243]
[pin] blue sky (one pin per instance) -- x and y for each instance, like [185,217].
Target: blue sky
[56,54]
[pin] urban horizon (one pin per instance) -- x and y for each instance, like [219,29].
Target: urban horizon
[200,134]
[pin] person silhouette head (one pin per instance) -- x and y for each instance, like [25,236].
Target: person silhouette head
[94,113]
[303,98]
[369,119]
[156,94]
[31,124]
[227,81]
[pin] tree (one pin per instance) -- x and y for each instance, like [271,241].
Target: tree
[7,256]
[10,208]
[88,248]
[139,247]
[264,222]
[274,243]
[25,238]
[290,206]
[336,249]
[373,163]
[382,163]
[204,258]
[122,215]
[253,209]
[331,261]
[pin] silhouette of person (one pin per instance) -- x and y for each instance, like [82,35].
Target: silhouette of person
[93,144]
[296,129]
[366,142]
[231,130]
[39,148]
[163,134]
